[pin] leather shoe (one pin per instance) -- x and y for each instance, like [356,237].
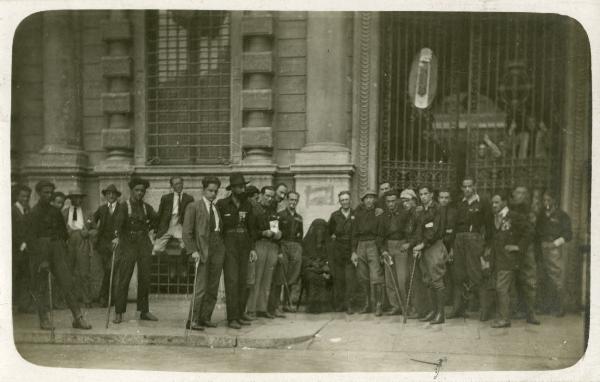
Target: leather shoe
[248,317]
[349,311]
[81,323]
[265,315]
[500,324]
[194,326]
[208,324]
[147,316]
[428,317]
[234,324]
[118,318]
[393,312]
[289,309]
[532,319]
[241,321]
[277,313]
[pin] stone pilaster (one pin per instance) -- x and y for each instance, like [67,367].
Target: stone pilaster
[117,102]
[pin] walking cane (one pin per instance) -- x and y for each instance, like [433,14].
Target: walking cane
[402,301]
[191,313]
[51,307]
[112,269]
[300,296]
[412,276]
[286,287]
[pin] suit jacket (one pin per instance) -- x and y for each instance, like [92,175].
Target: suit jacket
[19,228]
[87,224]
[165,210]
[104,223]
[195,230]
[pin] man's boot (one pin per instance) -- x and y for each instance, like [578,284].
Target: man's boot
[531,318]
[440,316]
[484,304]
[431,315]
[561,305]
[80,323]
[365,308]
[457,304]
[378,300]
[45,322]
[118,318]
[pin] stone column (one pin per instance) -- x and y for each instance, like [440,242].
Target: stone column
[323,168]
[61,158]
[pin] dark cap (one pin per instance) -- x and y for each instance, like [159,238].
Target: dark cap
[44,183]
[111,188]
[136,181]
[236,179]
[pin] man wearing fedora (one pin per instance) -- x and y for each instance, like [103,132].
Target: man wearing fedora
[135,220]
[170,215]
[48,235]
[365,253]
[202,228]
[78,245]
[235,211]
[105,221]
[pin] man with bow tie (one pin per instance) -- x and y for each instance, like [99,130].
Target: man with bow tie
[105,220]
[170,215]
[79,246]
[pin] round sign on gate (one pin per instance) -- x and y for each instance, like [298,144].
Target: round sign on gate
[422,81]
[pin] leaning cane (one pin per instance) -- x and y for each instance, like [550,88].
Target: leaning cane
[51,307]
[112,269]
[285,285]
[412,276]
[191,313]
[402,301]
[300,296]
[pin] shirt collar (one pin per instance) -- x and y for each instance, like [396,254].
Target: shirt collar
[206,201]
[20,207]
[503,212]
[472,199]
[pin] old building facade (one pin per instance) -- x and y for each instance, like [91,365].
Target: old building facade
[320,101]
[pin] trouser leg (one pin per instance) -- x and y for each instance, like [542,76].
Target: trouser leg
[554,266]
[258,268]
[215,267]
[199,292]
[362,272]
[503,282]
[127,260]
[264,288]
[144,261]
[231,267]
[63,276]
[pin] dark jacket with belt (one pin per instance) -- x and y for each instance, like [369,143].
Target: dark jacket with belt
[512,229]
[165,211]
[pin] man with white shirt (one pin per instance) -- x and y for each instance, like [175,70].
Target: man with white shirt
[202,226]
[79,246]
[170,215]
[20,249]
[105,219]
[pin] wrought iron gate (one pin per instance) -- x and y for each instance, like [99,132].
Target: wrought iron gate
[498,110]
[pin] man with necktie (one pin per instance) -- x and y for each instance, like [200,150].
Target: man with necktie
[202,227]
[20,248]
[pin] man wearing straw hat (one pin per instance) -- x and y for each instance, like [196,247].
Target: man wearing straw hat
[78,245]
[105,221]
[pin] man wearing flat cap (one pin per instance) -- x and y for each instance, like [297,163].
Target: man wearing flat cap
[235,211]
[365,252]
[105,221]
[79,245]
[48,235]
[135,220]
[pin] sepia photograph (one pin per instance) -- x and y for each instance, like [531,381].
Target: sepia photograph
[298,191]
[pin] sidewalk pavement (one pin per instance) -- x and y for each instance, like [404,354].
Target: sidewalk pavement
[556,339]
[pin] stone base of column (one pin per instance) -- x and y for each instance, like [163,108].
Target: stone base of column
[57,158]
[327,154]
[319,186]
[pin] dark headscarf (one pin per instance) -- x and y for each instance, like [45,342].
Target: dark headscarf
[315,242]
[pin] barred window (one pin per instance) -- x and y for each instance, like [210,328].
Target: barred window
[188,87]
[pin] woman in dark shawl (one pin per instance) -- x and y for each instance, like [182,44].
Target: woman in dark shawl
[315,270]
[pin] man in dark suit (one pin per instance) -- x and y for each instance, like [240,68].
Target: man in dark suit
[135,220]
[20,250]
[170,215]
[202,227]
[105,222]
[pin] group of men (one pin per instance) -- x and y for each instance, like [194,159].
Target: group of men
[252,237]
[409,247]
[397,248]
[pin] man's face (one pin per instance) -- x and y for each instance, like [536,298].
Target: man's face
[369,201]
[255,197]
[409,203]
[498,204]
[177,185]
[239,190]
[45,193]
[267,198]
[383,188]
[392,202]
[520,195]
[75,201]
[58,202]
[444,198]
[292,201]
[468,188]
[138,192]
[210,191]
[111,196]
[23,197]
[281,191]
[345,201]
[548,202]
[425,196]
